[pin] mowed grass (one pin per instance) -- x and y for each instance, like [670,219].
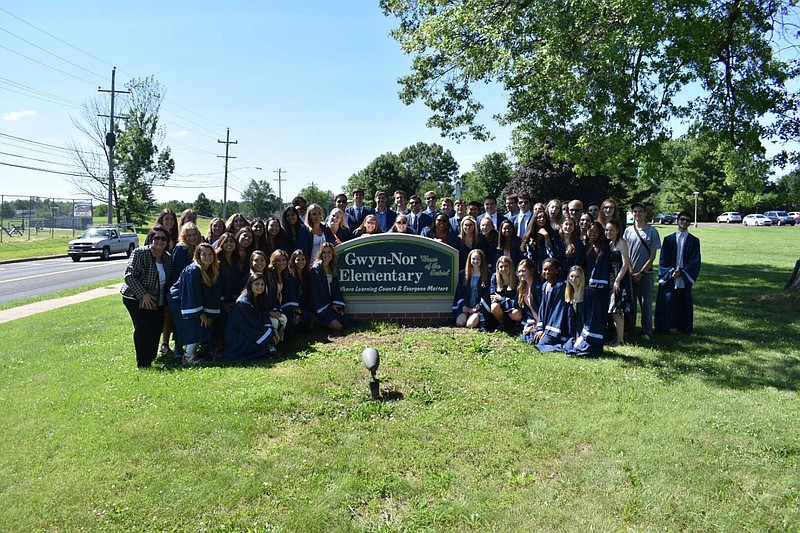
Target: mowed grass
[45,244]
[478,432]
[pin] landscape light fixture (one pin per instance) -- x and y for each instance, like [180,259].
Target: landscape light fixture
[372,360]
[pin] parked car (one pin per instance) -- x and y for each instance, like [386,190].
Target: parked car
[104,241]
[663,218]
[756,220]
[796,215]
[729,217]
[780,218]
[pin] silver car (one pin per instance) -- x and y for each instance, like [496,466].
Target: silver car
[729,217]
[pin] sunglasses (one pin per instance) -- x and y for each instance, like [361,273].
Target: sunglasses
[684,219]
[159,238]
[402,222]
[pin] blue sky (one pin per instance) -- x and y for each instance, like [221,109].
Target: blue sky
[309,87]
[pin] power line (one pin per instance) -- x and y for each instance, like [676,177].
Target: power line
[46,65]
[43,170]
[54,37]
[51,53]
[44,96]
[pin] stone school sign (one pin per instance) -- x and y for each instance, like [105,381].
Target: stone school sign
[395,275]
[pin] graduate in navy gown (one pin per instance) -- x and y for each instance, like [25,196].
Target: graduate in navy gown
[528,297]
[550,328]
[503,294]
[326,296]
[195,301]
[471,301]
[585,327]
[598,268]
[300,278]
[569,248]
[678,268]
[249,333]
[296,232]
[508,243]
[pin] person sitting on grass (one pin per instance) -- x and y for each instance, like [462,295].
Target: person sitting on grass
[550,330]
[472,292]
[249,333]
[503,293]
[584,325]
[528,297]
[326,295]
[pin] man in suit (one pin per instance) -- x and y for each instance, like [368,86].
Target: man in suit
[430,204]
[383,213]
[678,269]
[490,210]
[358,211]
[523,216]
[417,220]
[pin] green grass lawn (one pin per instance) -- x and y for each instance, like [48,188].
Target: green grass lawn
[47,243]
[480,432]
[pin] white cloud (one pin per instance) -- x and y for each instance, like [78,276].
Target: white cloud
[19,115]
[182,133]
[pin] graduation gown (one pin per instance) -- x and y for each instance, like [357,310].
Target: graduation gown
[188,298]
[565,261]
[324,297]
[588,321]
[508,297]
[669,314]
[552,318]
[462,298]
[248,333]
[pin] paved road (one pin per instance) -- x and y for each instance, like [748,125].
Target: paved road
[32,278]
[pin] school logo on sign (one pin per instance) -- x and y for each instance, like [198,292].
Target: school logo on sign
[397,272]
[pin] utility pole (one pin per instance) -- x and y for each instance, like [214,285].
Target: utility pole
[280,180]
[227,142]
[111,140]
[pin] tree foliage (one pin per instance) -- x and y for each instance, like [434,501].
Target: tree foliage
[315,195]
[544,179]
[705,162]
[259,200]
[600,81]
[139,161]
[203,206]
[415,169]
[490,175]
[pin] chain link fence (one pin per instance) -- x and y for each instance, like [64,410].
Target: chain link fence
[27,217]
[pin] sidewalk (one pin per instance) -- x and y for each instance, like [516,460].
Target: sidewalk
[46,305]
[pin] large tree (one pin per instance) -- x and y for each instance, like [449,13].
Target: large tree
[140,163]
[385,173]
[490,175]
[315,195]
[601,81]
[415,169]
[259,200]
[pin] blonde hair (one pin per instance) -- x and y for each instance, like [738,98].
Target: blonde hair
[573,295]
[523,288]
[312,208]
[210,274]
[476,232]
[502,282]
[484,269]
[333,265]
[186,228]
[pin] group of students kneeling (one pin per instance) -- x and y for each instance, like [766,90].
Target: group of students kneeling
[554,313]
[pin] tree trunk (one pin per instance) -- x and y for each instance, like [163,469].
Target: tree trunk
[794,281]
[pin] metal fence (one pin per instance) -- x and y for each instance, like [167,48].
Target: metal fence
[23,217]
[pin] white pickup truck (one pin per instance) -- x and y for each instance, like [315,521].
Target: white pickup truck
[104,241]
